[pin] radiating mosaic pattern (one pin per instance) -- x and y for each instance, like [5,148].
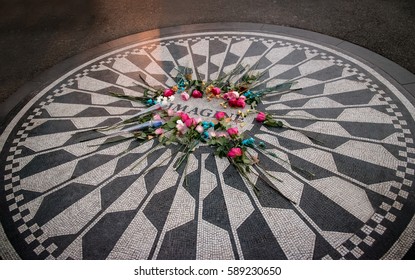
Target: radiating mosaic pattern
[66,199]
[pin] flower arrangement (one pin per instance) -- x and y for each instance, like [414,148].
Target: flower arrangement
[169,127]
[234,95]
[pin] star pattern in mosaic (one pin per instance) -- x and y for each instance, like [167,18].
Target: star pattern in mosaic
[68,199]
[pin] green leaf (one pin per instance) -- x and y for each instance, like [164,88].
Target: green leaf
[212,142]
[129,97]
[256,191]
[283,87]
[171,124]
[262,145]
[246,160]
[273,123]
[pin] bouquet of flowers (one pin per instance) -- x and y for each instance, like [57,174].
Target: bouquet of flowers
[169,127]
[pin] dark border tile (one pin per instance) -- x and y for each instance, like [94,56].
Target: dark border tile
[400,74]
[410,88]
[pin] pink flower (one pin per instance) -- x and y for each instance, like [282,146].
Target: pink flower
[184,117]
[221,134]
[261,117]
[157,117]
[220,116]
[185,96]
[199,128]
[215,91]
[181,127]
[190,122]
[168,92]
[170,112]
[240,103]
[159,131]
[233,131]
[197,94]
[230,95]
[234,152]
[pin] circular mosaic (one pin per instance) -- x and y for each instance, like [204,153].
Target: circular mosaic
[64,198]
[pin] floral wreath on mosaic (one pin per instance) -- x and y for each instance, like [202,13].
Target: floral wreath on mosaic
[168,127]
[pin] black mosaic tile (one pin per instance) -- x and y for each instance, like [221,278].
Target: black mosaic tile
[180,243]
[257,240]
[340,220]
[98,242]
[46,161]
[56,202]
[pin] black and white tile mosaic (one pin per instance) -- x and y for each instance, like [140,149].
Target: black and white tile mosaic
[66,199]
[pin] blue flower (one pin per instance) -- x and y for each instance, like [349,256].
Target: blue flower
[248,94]
[248,142]
[205,135]
[207,125]
[150,102]
[181,83]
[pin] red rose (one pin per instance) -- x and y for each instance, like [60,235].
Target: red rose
[220,116]
[261,117]
[232,102]
[215,91]
[240,103]
[197,94]
[234,152]
[168,92]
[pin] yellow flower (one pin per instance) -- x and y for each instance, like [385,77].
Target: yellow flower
[208,89]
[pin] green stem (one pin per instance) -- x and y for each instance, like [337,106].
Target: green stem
[297,115]
[189,149]
[305,134]
[243,173]
[143,158]
[147,84]
[272,185]
[112,141]
[158,165]
[185,174]
[285,161]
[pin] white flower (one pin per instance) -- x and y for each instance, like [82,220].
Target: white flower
[181,127]
[165,101]
[171,98]
[199,129]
